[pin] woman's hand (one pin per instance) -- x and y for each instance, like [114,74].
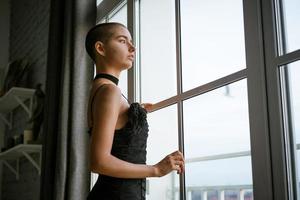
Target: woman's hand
[148,106]
[174,161]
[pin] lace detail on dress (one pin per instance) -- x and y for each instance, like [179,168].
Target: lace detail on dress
[137,115]
[129,144]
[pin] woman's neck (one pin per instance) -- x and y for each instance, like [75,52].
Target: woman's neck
[110,71]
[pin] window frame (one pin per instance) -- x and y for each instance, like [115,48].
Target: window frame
[280,129]
[268,147]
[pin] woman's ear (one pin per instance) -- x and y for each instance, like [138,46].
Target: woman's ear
[100,48]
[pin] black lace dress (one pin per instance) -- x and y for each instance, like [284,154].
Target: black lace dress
[129,144]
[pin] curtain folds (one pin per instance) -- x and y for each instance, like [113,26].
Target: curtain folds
[65,173]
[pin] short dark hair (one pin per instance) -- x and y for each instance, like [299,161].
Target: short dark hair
[101,32]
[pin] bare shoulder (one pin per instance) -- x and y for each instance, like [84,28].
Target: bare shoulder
[108,93]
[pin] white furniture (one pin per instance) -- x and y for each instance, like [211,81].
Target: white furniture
[22,150]
[15,97]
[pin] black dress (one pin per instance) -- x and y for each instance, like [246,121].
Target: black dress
[129,144]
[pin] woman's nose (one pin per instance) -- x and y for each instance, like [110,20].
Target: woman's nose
[131,48]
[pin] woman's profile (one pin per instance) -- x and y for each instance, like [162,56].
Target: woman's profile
[118,128]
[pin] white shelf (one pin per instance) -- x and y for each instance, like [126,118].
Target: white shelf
[15,153]
[13,98]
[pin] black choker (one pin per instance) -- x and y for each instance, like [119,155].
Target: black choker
[107,76]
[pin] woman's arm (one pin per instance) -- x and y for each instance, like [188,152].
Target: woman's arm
[105,114]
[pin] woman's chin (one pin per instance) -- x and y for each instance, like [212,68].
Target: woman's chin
[128,66]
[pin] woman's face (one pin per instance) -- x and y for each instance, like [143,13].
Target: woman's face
[119,50]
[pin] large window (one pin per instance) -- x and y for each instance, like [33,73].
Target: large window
[284,68]
[282,72]
[223,77]
[210,106]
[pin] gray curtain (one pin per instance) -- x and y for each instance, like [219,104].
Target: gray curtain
[65,173]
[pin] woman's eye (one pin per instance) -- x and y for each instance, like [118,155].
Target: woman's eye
[123,41]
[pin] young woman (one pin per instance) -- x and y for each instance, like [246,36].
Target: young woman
[119,129]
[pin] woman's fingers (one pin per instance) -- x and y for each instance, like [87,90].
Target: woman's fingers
[178,161]
[176,153]
[147,106]
[173,161]
[179,168]
[178,157]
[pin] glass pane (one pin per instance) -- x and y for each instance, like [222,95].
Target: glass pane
[158,50]
[293,102]
[162,140]
[213,43]
[291,16]
[99,1]
[103,20]
[217,142]
[121,17]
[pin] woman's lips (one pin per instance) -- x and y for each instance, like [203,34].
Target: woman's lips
[131,57]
